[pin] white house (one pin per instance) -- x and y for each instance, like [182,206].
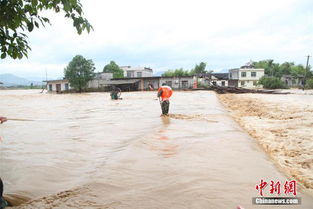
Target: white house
[136,72]
[246,76]
[58,85]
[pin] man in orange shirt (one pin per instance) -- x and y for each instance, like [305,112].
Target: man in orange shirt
[165,92]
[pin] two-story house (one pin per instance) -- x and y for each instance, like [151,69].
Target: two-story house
[246,76]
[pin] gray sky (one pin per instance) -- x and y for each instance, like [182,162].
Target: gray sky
[169,34]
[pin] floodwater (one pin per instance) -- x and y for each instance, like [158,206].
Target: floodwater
[86,151]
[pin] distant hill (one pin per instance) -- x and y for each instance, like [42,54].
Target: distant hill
[12,80]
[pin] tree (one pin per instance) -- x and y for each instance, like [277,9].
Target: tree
[17,16]
[176,73]
[272,83]
[115,69]
[79,71]
[199,69]
[268,65]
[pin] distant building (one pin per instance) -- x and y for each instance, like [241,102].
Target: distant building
[182,82]
[292,81]
[219,79]
[58,85]
[100,80]
[246,76]
[148,83]
[136,72]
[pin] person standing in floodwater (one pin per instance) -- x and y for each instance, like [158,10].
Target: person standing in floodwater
[115,93]
[165,92]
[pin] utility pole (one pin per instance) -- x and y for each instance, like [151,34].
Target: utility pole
[305,70]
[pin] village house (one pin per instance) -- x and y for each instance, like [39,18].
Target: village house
[58,85]
[246,76]
[136,72]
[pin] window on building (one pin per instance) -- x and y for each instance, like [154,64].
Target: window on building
[242,83]
[66,86]
[223,83]
[129,74]
[255,83]
[184,84]
[50,87]
[243,74]
[139,74]
[253,74]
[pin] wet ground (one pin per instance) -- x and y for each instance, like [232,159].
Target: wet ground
[86,151]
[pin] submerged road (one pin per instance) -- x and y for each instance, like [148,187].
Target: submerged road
[86,151]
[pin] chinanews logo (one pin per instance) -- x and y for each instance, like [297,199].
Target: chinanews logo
[271,188]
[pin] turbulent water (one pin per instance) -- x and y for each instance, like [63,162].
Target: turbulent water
[87,151]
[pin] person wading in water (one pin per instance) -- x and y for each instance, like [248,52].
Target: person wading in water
[165,92]
[115,93]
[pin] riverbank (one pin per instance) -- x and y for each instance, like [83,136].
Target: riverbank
[282,125]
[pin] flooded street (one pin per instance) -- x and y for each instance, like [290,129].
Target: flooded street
[87,151]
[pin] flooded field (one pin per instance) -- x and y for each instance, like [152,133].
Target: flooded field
[86,151]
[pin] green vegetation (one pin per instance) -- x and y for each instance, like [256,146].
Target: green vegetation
[272,83]
[115,69]
[309,83]
[287,68]
[176,72]
[79,71]
[21,15]
[198,69]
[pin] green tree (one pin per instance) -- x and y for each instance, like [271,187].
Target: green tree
[17,16]
[79,71]
[199,69]
[309,83]
[112,67]
[272,83]
[176,73]
[268,65]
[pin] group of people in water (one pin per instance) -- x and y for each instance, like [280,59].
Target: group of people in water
[164,94]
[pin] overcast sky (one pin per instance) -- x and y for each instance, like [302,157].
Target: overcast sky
[169,34]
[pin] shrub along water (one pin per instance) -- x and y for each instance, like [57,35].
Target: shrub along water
[272,83]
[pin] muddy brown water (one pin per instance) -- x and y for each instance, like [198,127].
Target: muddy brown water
[86,151]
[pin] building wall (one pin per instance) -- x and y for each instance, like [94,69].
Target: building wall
[153,81]
[104,76]
[133,72]
[233,74]
[97,83]
[54,84]
[259,73]
[178,82]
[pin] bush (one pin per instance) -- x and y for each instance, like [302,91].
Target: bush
[309,83]
[272,83]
